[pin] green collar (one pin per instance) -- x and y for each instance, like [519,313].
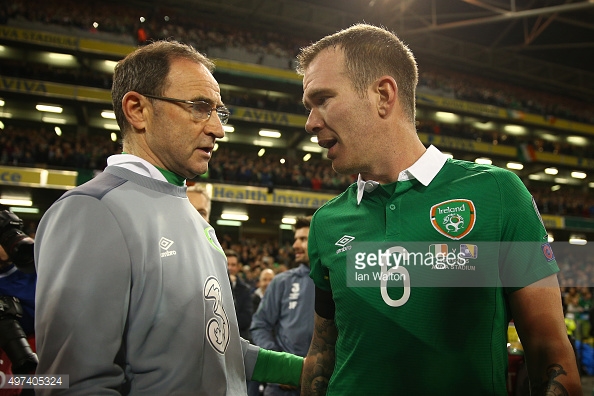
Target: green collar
[172,178]
[390,187]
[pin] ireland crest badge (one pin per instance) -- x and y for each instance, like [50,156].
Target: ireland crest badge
[454,218]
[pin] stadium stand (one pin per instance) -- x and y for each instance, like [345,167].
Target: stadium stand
[120,23]
[30,27]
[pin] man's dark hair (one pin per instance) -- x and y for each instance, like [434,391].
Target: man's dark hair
[146,70]
[302,222]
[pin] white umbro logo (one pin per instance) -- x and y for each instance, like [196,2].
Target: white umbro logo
[344,240]
[165,244]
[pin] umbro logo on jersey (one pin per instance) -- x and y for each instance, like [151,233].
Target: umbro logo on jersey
[344,241]
[165,244]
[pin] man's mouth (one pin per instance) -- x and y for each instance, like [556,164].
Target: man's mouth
[327,143]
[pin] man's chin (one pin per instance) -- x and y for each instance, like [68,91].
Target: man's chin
[196,171]
[342,164]
[343,169]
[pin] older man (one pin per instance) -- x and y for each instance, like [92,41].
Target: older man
[133,295]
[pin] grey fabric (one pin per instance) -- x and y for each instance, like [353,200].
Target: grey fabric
[133,294]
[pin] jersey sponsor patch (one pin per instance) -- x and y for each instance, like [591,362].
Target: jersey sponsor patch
[547,250]
[217,327]
[454,218]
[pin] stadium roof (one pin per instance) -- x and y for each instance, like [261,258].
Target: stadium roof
[542,43]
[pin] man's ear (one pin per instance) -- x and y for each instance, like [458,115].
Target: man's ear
[387,91]
[134,106]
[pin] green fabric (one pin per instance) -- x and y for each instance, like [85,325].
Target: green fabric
[390,187]
[172,178]
[278,368]
[392,334]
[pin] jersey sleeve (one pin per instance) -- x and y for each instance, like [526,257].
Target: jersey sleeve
[318,272]
[83,293]
[526,256]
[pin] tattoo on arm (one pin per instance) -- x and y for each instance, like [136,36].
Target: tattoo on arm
[550,386]
[320,358]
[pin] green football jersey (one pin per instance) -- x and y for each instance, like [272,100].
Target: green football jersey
[420,277]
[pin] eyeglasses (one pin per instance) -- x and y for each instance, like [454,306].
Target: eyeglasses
[201,110]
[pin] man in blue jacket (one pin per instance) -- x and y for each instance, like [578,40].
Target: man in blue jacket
[284,319]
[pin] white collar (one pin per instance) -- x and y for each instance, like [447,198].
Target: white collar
[424,170]
[136,165]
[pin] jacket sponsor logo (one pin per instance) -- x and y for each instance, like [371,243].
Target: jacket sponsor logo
[217,327]
[454,218]
[165,244]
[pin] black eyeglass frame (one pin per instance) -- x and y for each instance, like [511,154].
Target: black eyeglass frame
[222,112]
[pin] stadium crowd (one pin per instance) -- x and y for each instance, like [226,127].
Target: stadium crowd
[569,201]
[161,22]
[496,137]
[236,164]
[39,146]
[209,34]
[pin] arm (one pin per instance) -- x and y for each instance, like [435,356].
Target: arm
[271,366]
[266,318]
[538,317]
[82,297]
[278,367]
[319,362]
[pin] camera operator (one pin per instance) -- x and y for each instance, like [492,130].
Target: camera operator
[17,300]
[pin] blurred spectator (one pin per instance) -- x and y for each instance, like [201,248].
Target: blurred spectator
[200,200]
[266,276]
[284,319]
[241,294]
